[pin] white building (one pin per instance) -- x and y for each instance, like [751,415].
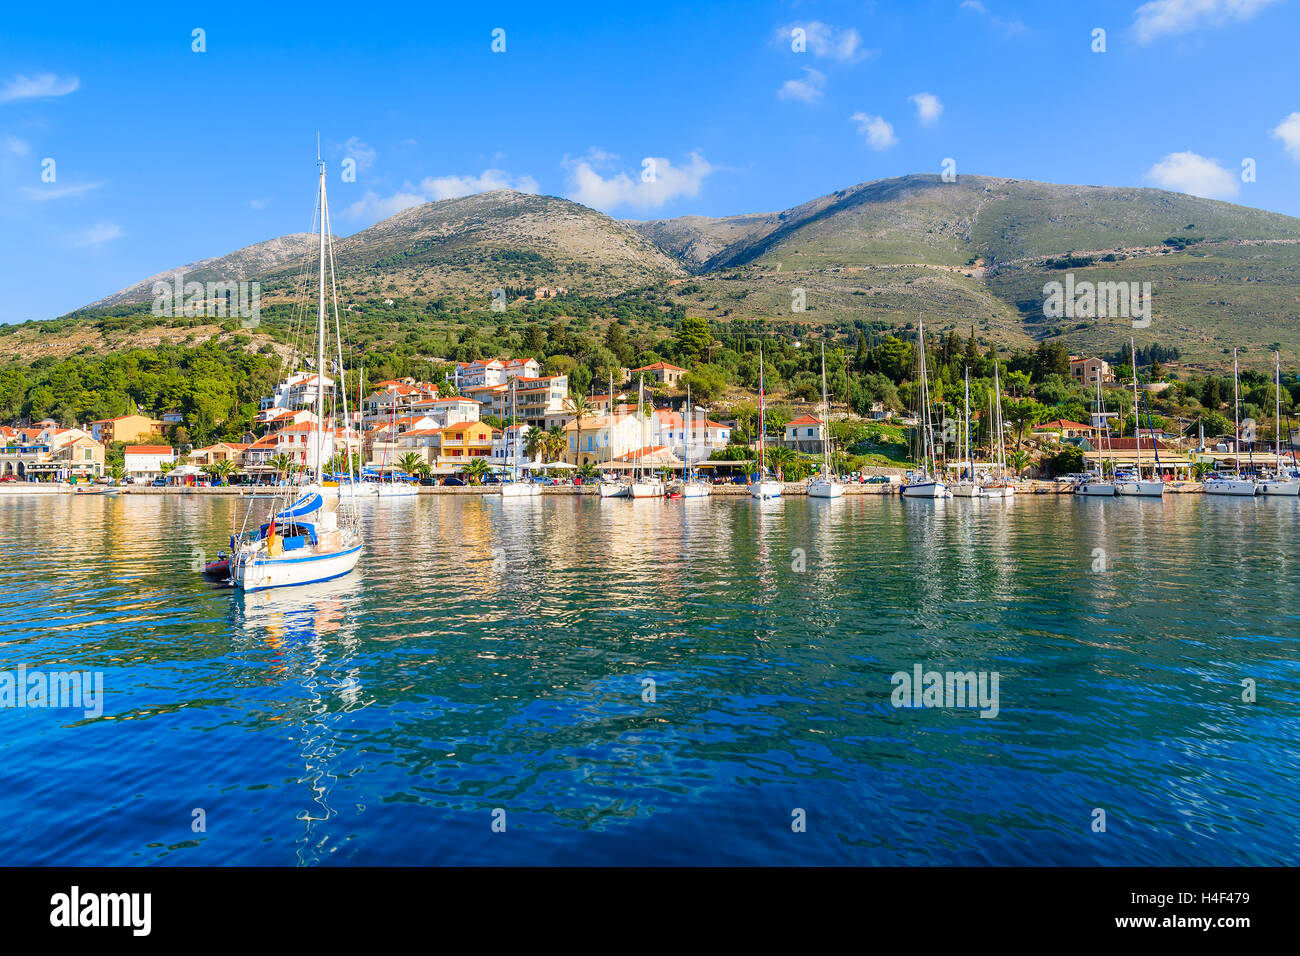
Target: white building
[295,392]
[144,462]
[495,371]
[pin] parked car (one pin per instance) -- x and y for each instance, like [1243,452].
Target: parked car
[453,480]
[158,483]
[8,477]
[876,480]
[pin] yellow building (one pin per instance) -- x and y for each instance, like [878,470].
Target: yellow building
[461,443]
[127,428]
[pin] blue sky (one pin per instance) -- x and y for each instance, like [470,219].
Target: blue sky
[163,155]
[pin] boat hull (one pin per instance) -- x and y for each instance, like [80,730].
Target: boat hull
[613,489]
[1140,488]
[825,488]
[261,573]
[1234,487]
[966,489]
[926,489]
[521,489]
[692,489]
[646,489]
[764,490]
[997,491]
[1095,489]
[1279,487]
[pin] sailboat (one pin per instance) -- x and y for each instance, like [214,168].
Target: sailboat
[999,486]
[517,486]
[308,536]
[763,486]
[1133,484]
[644,485]
[690,485]
[1281,482]
[826,484]
[925,483]
[609,486]
[1233,483]
[967,486]
[1097,486]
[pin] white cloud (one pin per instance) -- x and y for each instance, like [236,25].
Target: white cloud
[657,182]
[1163,17]
[363,153]
[99,232]
[259,203]
[807,90]
[1009,27]
[928,107]
[35,87]
[55,191]
[1196,175]
[876,130]
[1288,131]
[432,188]
[16,146]
[825,41]
[452,187]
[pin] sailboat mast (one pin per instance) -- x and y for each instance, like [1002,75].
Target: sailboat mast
[1277,412]
[826,418]
[970,452]
[1236,423]
[1137,430]
[686,472]
[762,408]
[320,328]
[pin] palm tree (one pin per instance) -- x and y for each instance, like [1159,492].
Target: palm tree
[221,470]
[282,463]
[556,443]
[589,471]
[1018,460]
[781,459]
[1201,468]
[117,472]
[411,462]
[578,405]
[476,471]
[535,443]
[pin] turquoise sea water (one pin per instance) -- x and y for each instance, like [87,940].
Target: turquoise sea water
[489,659]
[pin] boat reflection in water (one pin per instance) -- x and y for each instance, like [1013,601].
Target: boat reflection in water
[312,631]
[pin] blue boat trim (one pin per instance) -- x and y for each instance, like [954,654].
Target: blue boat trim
[310,557]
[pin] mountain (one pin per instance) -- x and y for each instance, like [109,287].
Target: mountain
[242,263]
[974,253]
[978,252]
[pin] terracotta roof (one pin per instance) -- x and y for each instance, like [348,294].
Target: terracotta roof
[659,365]
[806,420]
[148,450]
[1059,423]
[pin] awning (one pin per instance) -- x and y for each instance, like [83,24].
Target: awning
[305,505]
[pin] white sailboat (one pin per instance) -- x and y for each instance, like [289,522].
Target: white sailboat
[644,485]
[925,483]
[1097,486]
[609,486]
[1134,485]
[312,537]
[763,487]
[690,485]
[1282,482]
[1232,483]
[517,486]
[825,484]
[968,485]
[999,486]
